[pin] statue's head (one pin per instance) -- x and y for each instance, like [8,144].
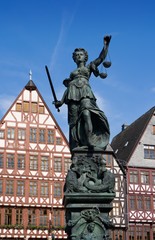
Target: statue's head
[78,50]
[91,227]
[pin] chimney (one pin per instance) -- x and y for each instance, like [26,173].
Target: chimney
[124,126]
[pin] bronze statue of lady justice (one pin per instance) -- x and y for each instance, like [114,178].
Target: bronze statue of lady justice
[88,125]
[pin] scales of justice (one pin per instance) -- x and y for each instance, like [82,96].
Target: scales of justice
[89,185]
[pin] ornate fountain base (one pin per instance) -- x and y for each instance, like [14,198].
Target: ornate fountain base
[89,191]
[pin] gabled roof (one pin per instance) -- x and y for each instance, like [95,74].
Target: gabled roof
[30,86]
[126,141]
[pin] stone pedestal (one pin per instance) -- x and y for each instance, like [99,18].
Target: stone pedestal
[89,191]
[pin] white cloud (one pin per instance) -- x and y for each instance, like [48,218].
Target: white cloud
[101,102]
[66,23]
[59,41]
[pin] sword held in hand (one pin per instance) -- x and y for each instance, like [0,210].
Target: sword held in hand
[52,88]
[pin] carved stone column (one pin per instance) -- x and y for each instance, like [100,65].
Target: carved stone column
[89,191]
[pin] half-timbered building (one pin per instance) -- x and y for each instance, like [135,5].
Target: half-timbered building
[135,151]
[34,160]
[118,213]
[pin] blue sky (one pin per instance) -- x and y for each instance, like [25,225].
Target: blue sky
[35,33]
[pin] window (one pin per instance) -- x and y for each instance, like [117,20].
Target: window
[44,163]
[10,161]
[33,188]
[11,133]
[144,176]
[139,232]
[31,217]
[57,189]
[116,183]
[42,135]
[57,164]
[131,233]
[34,107]
[1,186]
[58,141]
[26,106]
[153,129]
[1,134]
[41,109]
[18,107]
[50,135]
[43,217]
[1,160]
[116,207]
[21,134]
[21,161]
[33,135]
[8,216]
[154,204]
[67,164]
[147,203]
[19,216]
[132,202]
[153,178]
[133,177]
[33,162]
[44,189]
[20,188]
[140,203]
[119,235]
[149,151]
[57,217]
[9,187]
[146,231]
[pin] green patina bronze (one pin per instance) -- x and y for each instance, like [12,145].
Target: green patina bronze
[88,125]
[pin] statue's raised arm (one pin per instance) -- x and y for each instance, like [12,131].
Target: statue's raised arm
[104,51]
[94,64]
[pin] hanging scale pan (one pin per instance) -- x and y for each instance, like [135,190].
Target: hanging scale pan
[106,64]
[103,75]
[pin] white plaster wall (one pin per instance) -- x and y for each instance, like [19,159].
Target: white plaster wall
[148,138]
